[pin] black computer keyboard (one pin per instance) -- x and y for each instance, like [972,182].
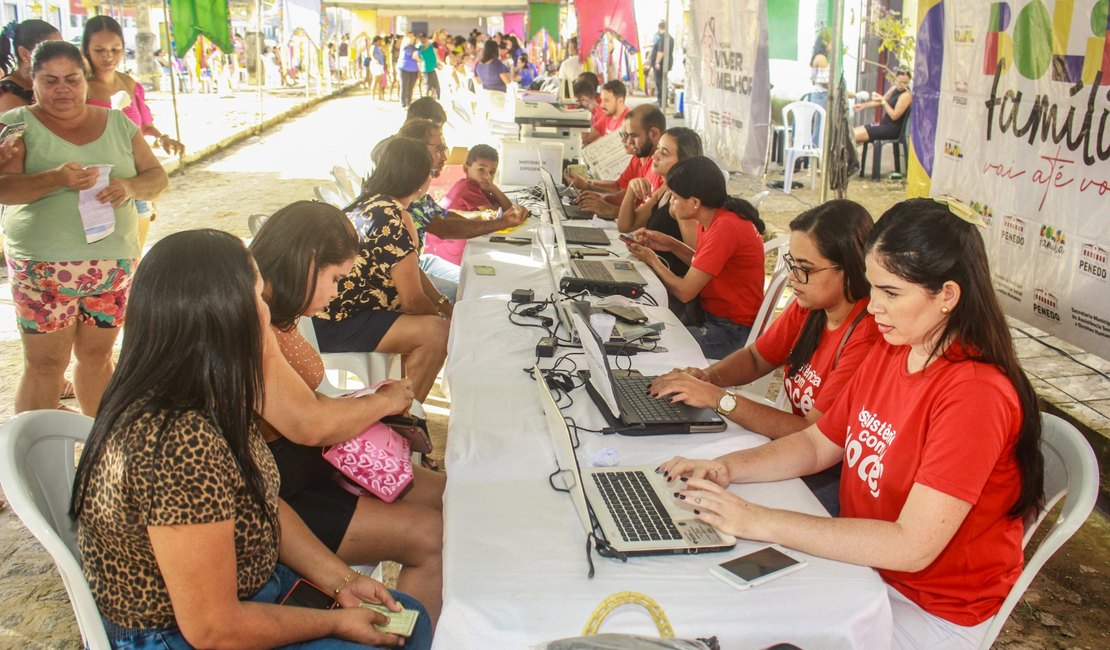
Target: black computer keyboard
[635,507]
[633,390]
[593,270]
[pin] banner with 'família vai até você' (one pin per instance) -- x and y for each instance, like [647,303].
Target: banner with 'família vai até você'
[1011,114]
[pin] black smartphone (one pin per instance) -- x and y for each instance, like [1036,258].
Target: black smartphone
[626,238]
[629,315]
[306,594]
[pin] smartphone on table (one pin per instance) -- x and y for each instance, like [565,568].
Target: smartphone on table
[758,567]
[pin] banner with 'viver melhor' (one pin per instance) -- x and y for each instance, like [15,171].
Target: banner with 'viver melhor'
[728,92]
[1011,114]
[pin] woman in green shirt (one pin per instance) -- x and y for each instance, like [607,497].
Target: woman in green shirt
[70,275]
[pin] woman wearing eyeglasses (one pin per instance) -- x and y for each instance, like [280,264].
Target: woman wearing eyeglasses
[820,339]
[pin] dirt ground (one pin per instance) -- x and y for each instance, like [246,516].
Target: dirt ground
[1066,607]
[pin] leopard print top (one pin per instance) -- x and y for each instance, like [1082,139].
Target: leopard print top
[191,477]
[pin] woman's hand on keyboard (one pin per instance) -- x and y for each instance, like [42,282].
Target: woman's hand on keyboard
[689,469]
[683,387]
[723,510]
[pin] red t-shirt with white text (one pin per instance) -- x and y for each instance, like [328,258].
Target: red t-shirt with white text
[817,383]
[731,251]
[951,427]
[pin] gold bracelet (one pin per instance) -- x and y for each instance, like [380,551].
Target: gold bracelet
[346,581]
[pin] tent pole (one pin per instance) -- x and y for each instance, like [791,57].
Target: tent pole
[173,71]
[832,105]
[259,46]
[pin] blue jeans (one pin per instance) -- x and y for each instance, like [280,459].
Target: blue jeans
[272,592]
[443,274]
[719,337]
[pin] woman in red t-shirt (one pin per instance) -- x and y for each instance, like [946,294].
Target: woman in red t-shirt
[938,430]
[726,271]
[821,338]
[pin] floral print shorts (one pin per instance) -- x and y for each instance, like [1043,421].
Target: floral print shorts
[51,296]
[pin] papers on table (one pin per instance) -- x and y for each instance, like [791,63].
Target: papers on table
[606,157]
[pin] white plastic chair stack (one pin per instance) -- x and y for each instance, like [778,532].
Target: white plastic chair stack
[1071,474]
[369,367]
[799,119]
[37,468]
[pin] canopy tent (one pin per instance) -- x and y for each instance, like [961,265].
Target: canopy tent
[452,9]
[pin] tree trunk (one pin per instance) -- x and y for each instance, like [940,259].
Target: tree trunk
[145,43]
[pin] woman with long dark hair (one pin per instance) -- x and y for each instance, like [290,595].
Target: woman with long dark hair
[654,213]
[819,340]
[939,434]
[175,470]
[726,272]
[387,304]
[303,252]
[17,42]
[491,71]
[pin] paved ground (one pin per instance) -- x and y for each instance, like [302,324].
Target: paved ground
[283,164]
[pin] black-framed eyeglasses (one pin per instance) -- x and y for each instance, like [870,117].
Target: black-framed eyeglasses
[801,274]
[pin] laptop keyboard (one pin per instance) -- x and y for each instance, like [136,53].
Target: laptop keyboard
[635,507]
[633,390]
[593,270]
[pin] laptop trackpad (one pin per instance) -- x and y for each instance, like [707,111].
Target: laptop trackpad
[698,533]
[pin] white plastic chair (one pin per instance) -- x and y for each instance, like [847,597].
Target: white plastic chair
[772,295]
[37,467]
[1070,473]
[255,221]
[369,367]
[346,180]
[798,117]
[329,195]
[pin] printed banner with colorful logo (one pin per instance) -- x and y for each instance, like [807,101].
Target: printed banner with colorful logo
[728,90]
[1011,114]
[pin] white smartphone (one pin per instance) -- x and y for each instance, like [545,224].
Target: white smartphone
[758,567]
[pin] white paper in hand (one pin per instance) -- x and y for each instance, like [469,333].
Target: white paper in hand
[99,219]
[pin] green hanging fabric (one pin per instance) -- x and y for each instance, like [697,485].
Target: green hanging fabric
[193,18]
[543,16]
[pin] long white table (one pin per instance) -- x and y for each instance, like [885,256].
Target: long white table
[515,570]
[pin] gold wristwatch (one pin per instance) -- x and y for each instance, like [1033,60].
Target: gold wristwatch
[726,404]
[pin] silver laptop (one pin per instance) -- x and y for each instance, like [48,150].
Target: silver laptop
[633,506]
[623,399]
[599,270]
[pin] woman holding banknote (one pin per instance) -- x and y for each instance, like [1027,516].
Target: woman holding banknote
[71,242]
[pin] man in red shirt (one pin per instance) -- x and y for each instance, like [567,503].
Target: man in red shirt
[611,100]
[644,126]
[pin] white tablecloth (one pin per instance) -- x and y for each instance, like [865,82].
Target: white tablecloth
[515,570]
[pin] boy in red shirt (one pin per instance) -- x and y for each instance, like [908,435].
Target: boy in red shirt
[476,192]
